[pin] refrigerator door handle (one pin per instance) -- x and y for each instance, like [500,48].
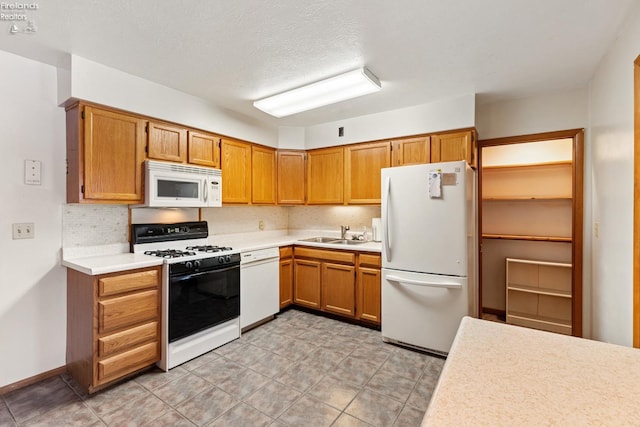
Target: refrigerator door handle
[387,193]
[447,285]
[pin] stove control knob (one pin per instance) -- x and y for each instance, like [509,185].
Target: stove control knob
[227,258]
[221,259]
[189,265]
[197,263]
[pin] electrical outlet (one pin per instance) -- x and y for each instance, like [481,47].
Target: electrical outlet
[261,225]
[24,230]
[596,229]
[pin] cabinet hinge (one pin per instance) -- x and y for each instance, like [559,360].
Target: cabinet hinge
[220,144]
[146,149]
[146,129]
[82,189]
[82,115]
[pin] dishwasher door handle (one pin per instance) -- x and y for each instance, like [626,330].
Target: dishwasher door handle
[258,262]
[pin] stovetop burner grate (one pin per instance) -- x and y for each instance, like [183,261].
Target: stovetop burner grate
[209,248]
[169,253]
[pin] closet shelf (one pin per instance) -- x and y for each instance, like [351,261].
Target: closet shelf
[527,165]
[525,198]
[539,291]
[528,238]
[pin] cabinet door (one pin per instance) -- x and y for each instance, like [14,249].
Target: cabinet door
[306,283]
[362,171]
[286,282]
[325,176]
[450,147]
[113,155]
[167,142]
[263,175]
[369,294]
[411,151]
[236,171]
[339,289]
[291,177]
[204,149]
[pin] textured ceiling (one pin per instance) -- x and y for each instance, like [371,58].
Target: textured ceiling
[233,52]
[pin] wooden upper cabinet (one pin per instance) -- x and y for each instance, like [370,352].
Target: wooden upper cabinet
[204,149]
[291,177]
[363,163]
[325,176]
[263,175]
[113,146]
[449,147]
[411,151]
[167,142]
[236,171]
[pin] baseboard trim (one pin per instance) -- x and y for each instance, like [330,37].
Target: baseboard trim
[502,314]
[32,380]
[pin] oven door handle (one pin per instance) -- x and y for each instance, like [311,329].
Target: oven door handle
[181,277]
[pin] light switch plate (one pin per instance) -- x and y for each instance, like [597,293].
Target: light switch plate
[24,230]
[32,172]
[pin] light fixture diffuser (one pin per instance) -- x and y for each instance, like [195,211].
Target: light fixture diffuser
[329,91]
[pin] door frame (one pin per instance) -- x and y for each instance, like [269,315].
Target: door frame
[577,207]
[636,203]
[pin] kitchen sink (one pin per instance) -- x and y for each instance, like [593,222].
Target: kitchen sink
[319,239]
[346,242]
[332,240]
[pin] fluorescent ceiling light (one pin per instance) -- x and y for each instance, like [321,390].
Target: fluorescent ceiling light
[335,89]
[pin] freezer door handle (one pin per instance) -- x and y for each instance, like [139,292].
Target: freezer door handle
[448,285]
[387,192]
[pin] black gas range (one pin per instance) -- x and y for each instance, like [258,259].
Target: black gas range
[201,288]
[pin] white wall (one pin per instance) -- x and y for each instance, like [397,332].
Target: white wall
[611,142]
[32,284]
[542,113]
[291,137]
[95,82]
[455,113]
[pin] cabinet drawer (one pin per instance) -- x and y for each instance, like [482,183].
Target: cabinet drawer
[337,256]
[371,260]
[127,362]
[286,252]
[127,282]
[119,312]
[128,338]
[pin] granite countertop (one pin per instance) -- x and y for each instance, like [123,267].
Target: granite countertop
[498,374]
[114,258]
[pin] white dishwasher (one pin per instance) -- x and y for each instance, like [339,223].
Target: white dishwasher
[259,285]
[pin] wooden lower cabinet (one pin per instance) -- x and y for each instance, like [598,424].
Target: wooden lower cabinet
[113,325]
[368,285]
[306,281]
[338,282]
[286,276]
[339,289]
[369,294]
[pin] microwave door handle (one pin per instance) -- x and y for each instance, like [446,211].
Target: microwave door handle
[206,190]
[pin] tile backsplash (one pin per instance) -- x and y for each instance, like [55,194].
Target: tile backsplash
[94,225]
[244,219]
[332,217]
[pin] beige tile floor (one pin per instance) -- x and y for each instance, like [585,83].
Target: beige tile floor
[297,370]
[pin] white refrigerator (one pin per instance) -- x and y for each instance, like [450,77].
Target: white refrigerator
[429,253]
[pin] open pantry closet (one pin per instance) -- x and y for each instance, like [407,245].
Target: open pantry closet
[531,213]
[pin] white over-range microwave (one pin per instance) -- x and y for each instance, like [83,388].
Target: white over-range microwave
[177,185]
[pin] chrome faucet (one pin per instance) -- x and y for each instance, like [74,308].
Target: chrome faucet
[343,231]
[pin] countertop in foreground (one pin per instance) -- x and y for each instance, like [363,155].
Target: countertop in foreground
[499,374]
